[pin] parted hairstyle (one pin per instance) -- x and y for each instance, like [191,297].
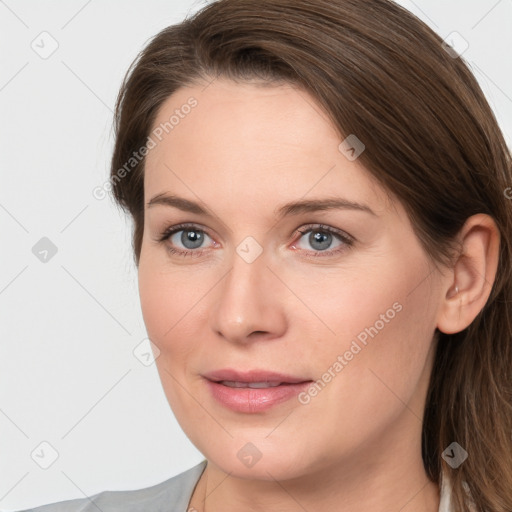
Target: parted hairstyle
[432,142]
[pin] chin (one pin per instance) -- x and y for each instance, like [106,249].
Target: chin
[250,461]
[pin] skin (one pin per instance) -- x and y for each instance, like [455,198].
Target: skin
[241,153]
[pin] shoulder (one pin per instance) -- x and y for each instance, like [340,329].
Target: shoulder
[175,492]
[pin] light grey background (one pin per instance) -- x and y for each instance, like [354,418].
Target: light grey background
[69,326]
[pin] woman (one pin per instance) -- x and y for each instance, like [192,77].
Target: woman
[322,229]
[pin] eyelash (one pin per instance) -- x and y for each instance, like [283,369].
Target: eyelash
[347,240]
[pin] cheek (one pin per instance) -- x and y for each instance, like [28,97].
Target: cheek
[373,329]
[363,301]
[362,394]
[173,313]
[154,302]
[164,307]
[165,296]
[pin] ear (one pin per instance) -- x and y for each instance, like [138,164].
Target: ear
[468,285]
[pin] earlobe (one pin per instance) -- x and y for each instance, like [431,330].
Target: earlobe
[468,286]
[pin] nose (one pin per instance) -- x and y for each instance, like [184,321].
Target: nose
[249,303]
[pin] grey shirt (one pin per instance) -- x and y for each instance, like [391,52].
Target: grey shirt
[172,495]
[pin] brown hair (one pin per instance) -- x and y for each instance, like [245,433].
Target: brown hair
[431,140]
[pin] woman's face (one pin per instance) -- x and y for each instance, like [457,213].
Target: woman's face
[277,272]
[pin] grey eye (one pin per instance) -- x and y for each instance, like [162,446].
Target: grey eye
[189,238]
[319,240]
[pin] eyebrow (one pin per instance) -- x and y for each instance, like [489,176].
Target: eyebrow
[292,208]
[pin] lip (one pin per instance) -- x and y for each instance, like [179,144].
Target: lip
[253,400]
[252,376]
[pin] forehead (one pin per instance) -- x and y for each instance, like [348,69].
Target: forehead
[268,142]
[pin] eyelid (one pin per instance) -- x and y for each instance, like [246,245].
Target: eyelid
[171,230]
[329,229]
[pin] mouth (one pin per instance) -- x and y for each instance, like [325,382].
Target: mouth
[230,376]
[254,390]
[253,385]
